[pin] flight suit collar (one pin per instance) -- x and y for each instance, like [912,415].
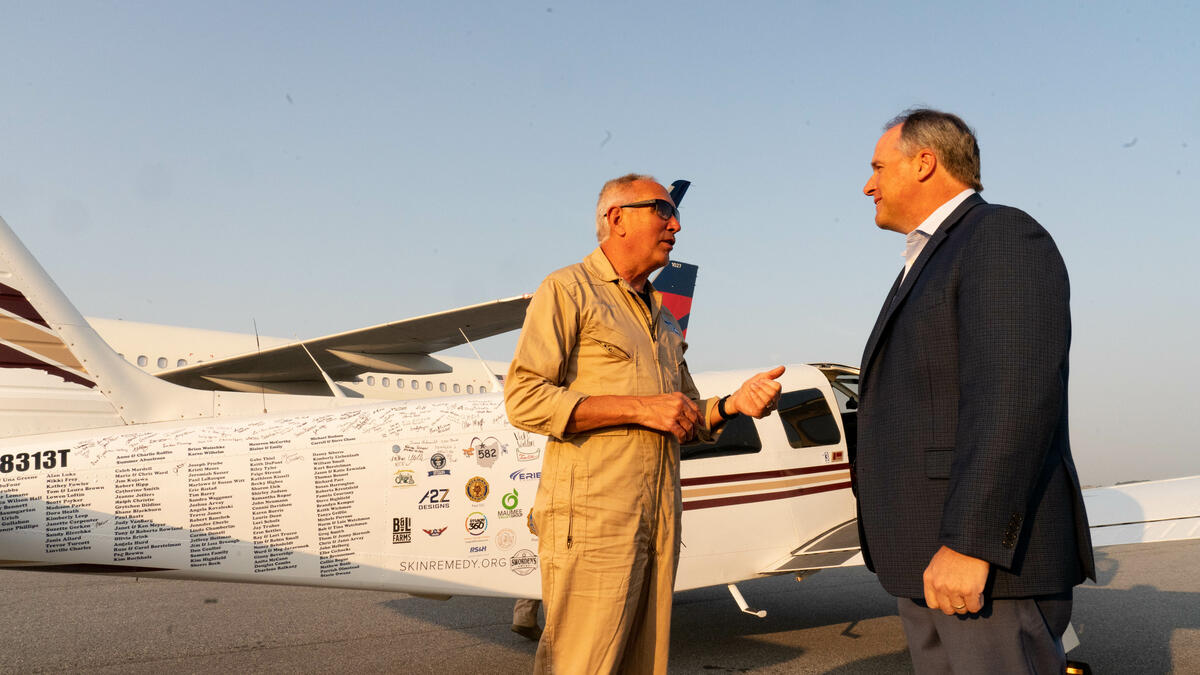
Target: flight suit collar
[598,265]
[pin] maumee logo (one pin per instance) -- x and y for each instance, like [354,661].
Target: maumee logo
[477,489]
[476,524]
[402,530]
[509,502]
[436,498]
[404,478]
[523,562]
[438,462]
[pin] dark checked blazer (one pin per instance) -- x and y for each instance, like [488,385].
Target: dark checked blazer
[962,425]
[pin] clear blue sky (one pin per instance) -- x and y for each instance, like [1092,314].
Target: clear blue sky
[319,168]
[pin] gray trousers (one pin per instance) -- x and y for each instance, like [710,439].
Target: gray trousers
[1010,635]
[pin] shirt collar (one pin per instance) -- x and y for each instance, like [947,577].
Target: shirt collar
[935,219]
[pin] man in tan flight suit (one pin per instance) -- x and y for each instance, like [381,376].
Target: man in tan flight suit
[599,369]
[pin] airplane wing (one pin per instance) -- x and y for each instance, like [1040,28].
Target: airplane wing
[1135,513]
[1138,513]
[401,347]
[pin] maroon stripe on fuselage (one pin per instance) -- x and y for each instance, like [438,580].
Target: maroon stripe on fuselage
[14,301]
[756,475]
[762,496]
[11,358]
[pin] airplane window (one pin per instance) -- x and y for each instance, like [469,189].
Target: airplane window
[470,389]
[162,362]
[428,385]
[120,355]
[142,360]
[387,382]
[442,386]
[415,384]
[807,419]
[181,363]
[457,388]
[370,380]
[399,383]
[482,389]
[738,436]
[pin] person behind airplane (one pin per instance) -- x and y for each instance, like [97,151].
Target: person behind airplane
[599,368]
[970,510]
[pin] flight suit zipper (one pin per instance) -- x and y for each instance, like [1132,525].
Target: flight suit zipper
[571,510]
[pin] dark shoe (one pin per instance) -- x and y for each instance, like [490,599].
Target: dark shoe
[531,633]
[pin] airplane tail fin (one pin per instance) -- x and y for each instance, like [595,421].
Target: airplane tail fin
[57,373]
[677,283]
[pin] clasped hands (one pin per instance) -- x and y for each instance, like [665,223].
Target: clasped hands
[678,415]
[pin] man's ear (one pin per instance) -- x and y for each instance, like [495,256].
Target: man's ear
[616,223]
[926,162]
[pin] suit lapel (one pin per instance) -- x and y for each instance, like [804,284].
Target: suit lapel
[900,289]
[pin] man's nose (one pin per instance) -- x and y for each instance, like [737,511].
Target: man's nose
[869,187]
[673,224]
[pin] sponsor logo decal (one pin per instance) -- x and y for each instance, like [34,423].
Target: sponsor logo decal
[509,502]
[438,462]
[485,451]
[505,539]
[437,498]
[437,532]
[451,564]
[530,525]
[477,549]
[404,478]
[477,489]
[402,530]
[476,524]
[521,474]
[526,450]
[523,562]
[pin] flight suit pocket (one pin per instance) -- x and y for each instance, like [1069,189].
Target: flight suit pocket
[611,347]
[938,462]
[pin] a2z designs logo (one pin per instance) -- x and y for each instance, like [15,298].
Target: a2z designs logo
[436,498]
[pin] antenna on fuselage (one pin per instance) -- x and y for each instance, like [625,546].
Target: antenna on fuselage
[497,380]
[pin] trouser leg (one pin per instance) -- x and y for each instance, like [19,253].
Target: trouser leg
[1010,635]
[525,612]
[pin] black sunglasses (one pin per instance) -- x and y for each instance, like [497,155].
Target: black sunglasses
[662,208]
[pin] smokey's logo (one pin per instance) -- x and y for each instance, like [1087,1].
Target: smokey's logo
[509,502]
[404,478]
[523,562]
[477,524]
[402,530]
[477,489]
[438,464]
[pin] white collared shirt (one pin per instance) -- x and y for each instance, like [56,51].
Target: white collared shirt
[916,240]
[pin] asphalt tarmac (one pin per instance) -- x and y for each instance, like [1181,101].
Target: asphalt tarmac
[1143,616]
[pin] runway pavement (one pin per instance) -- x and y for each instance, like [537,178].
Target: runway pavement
[1143,616]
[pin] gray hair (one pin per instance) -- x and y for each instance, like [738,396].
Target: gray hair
[952,141]
[611,195]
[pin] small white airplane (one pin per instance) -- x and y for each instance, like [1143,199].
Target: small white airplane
[107,469]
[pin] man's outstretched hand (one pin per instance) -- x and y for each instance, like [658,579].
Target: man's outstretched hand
[757,396]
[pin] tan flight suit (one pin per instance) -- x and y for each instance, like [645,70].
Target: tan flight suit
[607,511]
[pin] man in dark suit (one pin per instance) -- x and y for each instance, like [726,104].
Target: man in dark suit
[969,505]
